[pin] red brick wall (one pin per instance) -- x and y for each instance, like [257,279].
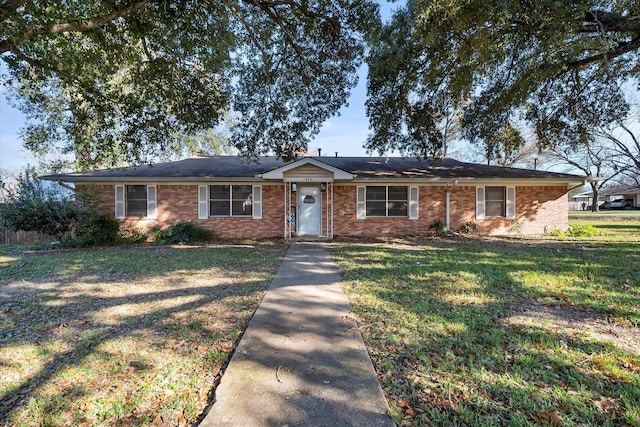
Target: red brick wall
[539,209]
[180,203]
[431,208]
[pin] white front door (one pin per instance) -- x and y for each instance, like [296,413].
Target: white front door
[309,211]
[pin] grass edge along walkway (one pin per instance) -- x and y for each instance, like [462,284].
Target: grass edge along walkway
[440,320]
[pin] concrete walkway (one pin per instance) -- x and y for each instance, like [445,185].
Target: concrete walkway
[301,361]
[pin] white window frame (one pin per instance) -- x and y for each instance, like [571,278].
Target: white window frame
[256,191]
[204,206]
[510,202]
[152,202]
[510,208]
[121,201]
[361,202]
[119,205]
[203,201]
[480,203]
[414,202]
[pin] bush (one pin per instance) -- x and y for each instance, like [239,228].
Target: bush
[182,233]
[469,228]
[578,230]
[439,228]
[99,230]
[132,235]
[32,207]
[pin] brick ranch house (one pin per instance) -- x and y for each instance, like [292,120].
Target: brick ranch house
[331,196]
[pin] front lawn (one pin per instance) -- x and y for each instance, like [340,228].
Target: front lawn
[123,336]
[501,332]
[617,230]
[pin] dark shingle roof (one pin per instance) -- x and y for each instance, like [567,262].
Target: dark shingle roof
[619,190]
[233,167]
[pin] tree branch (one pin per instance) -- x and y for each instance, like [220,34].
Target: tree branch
[621,49]
[610,22]
[285,31]
[81,27]
[298,7]
[10,6]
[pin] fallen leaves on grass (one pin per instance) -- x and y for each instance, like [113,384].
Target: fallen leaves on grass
[87,347]
[607,404]
[548,417]
[483,334]
[407,407]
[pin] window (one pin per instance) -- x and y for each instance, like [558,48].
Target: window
[230,200]
[495,202]
[135,201]
[382,201]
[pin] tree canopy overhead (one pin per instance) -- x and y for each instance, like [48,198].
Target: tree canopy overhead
[557,67]
[113,80]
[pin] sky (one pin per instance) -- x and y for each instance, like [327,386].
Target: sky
[344,133]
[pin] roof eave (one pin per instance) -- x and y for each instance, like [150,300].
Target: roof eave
[473,181]
[194,179]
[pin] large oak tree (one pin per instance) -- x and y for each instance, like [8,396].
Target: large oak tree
[113,80]
[557,66]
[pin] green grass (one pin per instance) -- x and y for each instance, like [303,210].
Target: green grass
[123,336]
[614,230]
[613,212]
[493,332]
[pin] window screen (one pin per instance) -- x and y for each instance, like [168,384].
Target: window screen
[494,201]
[136,200]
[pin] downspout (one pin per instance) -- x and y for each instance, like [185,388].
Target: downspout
[448,204]
[448,215]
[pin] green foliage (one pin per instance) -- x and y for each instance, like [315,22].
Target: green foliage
[504,145]
[439,228]
[516,226]
[181,233]
[33,208]
[556,67]
[116,82]
[131,235]
[468,228]
[207,143]
[578,230]
[98,230]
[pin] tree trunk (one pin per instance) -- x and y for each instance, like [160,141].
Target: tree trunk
[594,205]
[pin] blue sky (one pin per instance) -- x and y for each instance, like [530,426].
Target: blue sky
[345,133]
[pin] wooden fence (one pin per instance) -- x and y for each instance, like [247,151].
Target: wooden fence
[10,237]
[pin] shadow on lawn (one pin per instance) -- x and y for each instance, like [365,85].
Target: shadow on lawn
[436,325]
[66,306]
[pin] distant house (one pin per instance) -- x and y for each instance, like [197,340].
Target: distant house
[624,195]
[332,196]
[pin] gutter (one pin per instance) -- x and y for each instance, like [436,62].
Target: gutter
[67,186]
[585,182]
